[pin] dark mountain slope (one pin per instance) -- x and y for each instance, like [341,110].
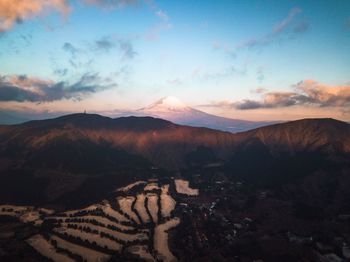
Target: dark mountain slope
[74,153]
[164,143]
[160,141]
[282,153]
[305,134]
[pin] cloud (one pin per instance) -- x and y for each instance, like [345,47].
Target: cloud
[259,90]
[127,49]
[325,95]
[162,15]
[347,23]
[216,75]
[164,24]
[301,27]
[223,73]
[111,4]
[22,88]
[307,93]
[281,28]
[273,100]
[61,71]
[104,44]
[175,81]
[15,12]
[78,57]
[260,76]
[68,47]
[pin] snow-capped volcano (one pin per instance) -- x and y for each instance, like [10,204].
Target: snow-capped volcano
[166,104]
[172,109]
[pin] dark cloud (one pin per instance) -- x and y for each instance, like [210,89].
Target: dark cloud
[273,100]
[22,88]
[308,92]
[104,44]
[27,39]
[61,71]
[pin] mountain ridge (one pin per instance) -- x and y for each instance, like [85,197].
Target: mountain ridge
[165,143]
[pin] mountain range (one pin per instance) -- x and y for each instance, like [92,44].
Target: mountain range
[69,153]
[168,108]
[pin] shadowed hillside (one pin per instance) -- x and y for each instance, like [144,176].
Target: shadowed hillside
[66,154]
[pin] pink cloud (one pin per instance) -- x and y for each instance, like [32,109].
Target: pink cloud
[12,12]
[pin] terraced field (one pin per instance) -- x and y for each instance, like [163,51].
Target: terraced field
[135,223]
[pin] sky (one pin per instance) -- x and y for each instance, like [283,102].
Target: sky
[254,60]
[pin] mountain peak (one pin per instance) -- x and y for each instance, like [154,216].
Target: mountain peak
[172,109]
[168,103]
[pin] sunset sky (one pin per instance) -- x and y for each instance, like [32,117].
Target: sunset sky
[255,60]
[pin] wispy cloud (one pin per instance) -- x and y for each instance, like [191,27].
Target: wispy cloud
[106,44]
[286,29]
[78,57]
[301,27]
[260,76]
[111,4]
[347,23]
[127,49]
[164,24]
[281,26]
[61,71]
[287,25]
[23,88]
[162,15]
[205,76]
[175,81]
[307,93]
[70,48]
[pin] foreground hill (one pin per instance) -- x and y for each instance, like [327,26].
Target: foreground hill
[71,153]
[162,142]
[306,134]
